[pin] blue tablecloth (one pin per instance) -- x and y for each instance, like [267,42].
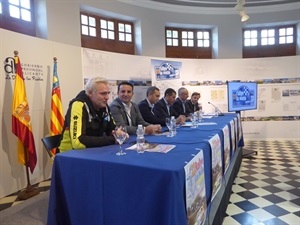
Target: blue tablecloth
[94,186]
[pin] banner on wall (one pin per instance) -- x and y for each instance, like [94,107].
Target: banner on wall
[195,190]
[166,70]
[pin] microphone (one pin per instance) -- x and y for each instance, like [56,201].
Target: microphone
[220,113]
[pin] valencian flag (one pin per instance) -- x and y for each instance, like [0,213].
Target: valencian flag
[56,118]
[21,125]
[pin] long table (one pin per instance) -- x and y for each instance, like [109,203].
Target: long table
[95,186]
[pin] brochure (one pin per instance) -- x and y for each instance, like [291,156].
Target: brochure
[153,147]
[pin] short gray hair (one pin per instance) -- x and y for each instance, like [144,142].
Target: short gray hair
[91,84]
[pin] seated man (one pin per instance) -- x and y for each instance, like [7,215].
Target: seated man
[126,113]
[163,108]
[146,107]
[88,122]
[192,103]
[179,105]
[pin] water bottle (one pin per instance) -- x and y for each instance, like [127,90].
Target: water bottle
[140,139]
[173,126]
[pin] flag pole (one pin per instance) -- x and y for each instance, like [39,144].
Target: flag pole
[29,191]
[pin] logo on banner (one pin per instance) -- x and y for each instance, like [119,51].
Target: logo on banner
[32,72]
[166,71]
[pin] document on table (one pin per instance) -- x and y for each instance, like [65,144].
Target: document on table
[152,147]
[189,124]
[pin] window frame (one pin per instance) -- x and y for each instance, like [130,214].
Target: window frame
[193,52]
[106,44]
[17,24]
[270,50]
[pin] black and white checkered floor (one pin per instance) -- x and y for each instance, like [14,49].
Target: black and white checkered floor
[266,190]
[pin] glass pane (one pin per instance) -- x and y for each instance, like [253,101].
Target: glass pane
[282,40]
[121,28]
[254,33]
[26,15]
[206,35]
[253,42]
[121,37]
[271,33]
[289,39]
[199,35]
[14,2]
[247,42]
[282,32]
[0,7]
[206,43]
[92,31]
[25,4]
[247,34]
[111,35]
[200,43]
[175,34]
[128,37]
[14,11]
[175,42]
[191,43]
[110,25]
[127,28]
[103,24]
[271,41]
[92,21]
[184,34]
[190,34]
[169,42]
[84,30]
[264,41]
[84,19]
[169,33]
[290,31]
[184,43]
[264,33]
[104,33]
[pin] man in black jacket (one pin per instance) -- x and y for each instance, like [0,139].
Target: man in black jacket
[164,107]
[192,103]
[88,121]
[179,105]
[146,107]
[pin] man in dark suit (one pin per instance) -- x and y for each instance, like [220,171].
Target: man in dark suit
[192,103]
[163,108]
[126,113]
[180,105]
[146,107]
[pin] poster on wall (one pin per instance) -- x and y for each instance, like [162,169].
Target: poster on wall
[216,158]
[195,190]
[166,70]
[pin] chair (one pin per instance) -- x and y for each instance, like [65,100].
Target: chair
[51,142]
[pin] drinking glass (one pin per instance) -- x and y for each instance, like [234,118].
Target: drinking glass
[169,125]
[120,137]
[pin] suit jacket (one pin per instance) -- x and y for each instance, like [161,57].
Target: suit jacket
[120,116]
[178,108]
[161,110]
[150,115]
[192,107]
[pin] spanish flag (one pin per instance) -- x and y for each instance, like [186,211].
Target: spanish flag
[21,125]
[56,117]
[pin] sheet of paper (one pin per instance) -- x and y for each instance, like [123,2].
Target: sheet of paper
[152,147]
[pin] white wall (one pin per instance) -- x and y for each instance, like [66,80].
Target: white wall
[39,52]
[64,23]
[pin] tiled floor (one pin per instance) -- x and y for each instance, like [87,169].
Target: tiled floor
[266,190]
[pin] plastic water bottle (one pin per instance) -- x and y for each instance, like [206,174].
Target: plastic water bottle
[173,126]
[140,139]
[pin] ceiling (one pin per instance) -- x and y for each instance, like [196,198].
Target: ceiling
[222,3]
